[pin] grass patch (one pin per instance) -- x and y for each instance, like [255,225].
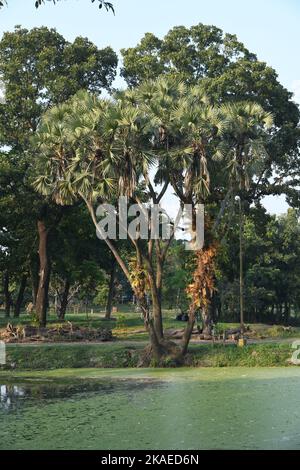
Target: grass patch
[48,357]
[257,355]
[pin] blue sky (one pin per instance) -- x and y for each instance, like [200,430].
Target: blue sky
[270,28]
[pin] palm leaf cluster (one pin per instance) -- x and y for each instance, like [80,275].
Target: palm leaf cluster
[103,148]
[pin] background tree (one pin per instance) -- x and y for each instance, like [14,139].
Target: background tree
[79,260]
[177,275]
[17,229]
[271,251]
[40,68]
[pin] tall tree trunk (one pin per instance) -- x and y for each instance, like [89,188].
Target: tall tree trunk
[111,291]
[34,275]
[64,300]
[44,275]
[7,295]
[20,296]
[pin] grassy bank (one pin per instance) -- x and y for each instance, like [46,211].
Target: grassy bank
[59,356]
[128,330]
[48,357]
[256,355]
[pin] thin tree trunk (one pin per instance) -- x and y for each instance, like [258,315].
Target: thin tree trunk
[287,313]
[44,275]
[20,296]
[188,332]
[279,314]
[111,291]
[207,321]
[159,278]
[7,296]
[156,309]
[64,300]
[272,312]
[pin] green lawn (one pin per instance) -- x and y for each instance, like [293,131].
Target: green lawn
[128,325]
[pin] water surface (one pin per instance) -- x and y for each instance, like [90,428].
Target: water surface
[157,409]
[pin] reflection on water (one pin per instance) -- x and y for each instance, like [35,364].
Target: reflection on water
[215,409]
[10,394]
[14,396]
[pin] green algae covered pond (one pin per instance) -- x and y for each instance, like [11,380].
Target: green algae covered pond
[151,409]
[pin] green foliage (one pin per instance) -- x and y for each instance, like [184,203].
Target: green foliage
[121,322]
[201,51]
[102,294]
[40,68]
[177,276]
[272,276]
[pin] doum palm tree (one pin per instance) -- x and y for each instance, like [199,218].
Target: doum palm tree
[97,150]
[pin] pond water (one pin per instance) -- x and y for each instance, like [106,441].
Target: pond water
[152,409]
